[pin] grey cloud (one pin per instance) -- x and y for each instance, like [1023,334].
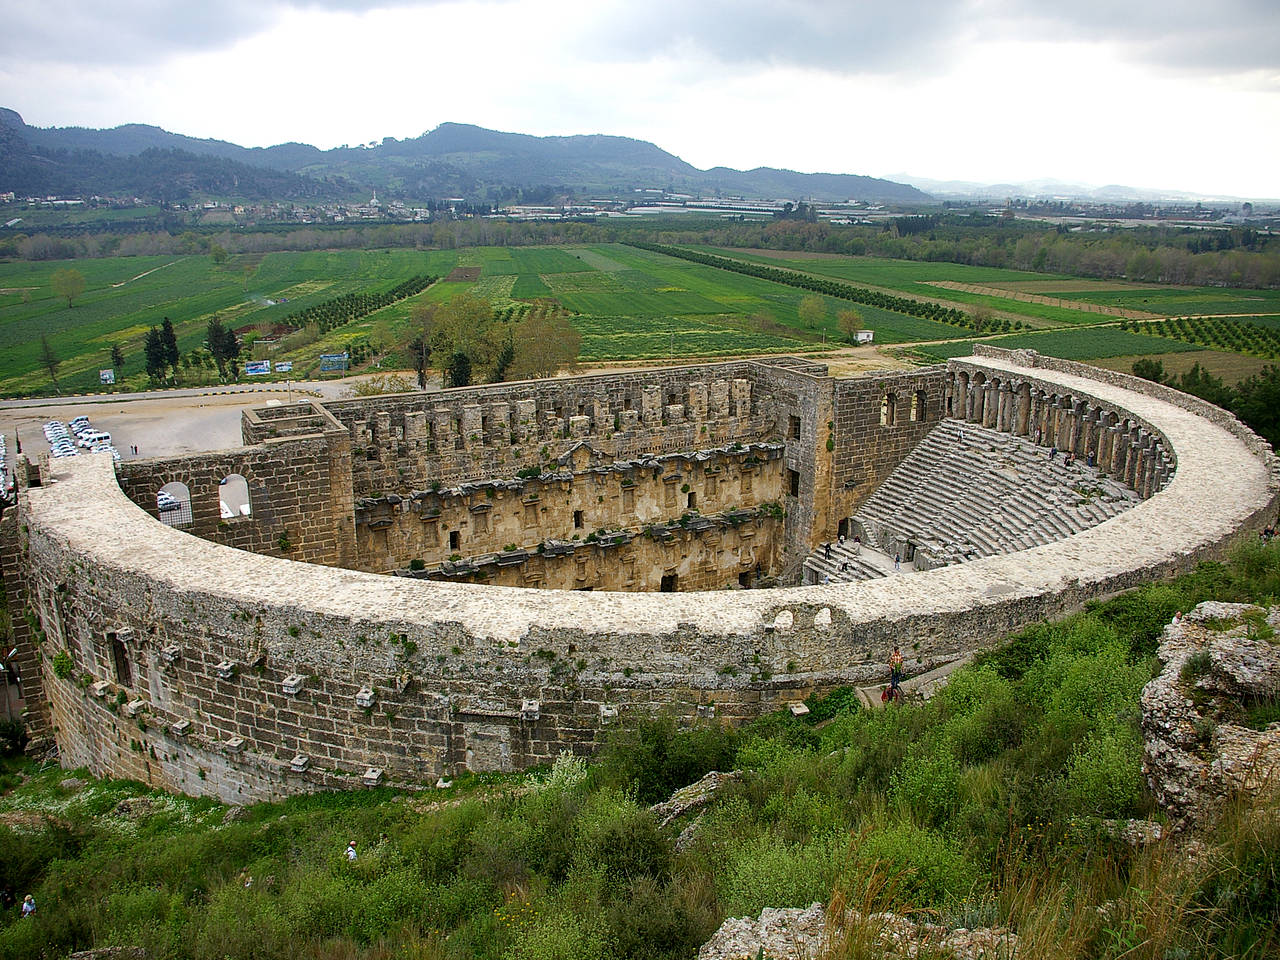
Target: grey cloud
[914,36]
[839,35]
[1220,36]
[97,32]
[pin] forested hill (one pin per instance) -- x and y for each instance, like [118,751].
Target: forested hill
[453,159]
[157,170]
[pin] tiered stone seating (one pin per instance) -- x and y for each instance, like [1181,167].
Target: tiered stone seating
[967,492]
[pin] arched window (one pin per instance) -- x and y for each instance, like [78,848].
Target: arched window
[918,409]
[889,410]
[173,504]
[233,497]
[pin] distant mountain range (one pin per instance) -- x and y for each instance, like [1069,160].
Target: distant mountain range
[1044,189]
[453,160]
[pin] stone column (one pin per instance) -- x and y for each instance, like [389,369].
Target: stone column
[1089,433]
[1004,418]
[651,406]
[990,404]
[526,425]
[1115,455]
[472,420]
[697,402]
[1021,411]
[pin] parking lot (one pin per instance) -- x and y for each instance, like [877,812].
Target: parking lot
[163,426]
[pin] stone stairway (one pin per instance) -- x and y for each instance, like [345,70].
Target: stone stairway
[967,492]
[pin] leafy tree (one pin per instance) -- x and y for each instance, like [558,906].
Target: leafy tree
[459,372]
[224,347]
[812,310]
[1257,403]
[545,343]
[218,252]
[1203,384]
[464,325]
[170,341]
[67,282]
[506,357]
[117,359]
[982,317]
[1149,369]
[153,349]
[850,324]
[419,354]
[50,360]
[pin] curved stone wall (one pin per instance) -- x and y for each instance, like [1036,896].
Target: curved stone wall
[199,667]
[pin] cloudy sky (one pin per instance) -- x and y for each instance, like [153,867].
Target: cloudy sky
[1178,94]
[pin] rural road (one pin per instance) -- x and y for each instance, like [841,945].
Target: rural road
[186,420]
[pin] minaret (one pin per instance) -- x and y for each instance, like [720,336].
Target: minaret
[374,201]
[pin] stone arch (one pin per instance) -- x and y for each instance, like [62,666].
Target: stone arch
[173,504]
[233,497]
[919,406]
[888,409]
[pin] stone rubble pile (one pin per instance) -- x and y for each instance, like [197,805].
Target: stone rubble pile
[803,934]
[1195,754]
[693,797]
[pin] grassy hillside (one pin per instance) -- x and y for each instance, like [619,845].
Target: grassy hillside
[985,806]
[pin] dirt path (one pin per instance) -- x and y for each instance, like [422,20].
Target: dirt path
[1040,298]
[148,272]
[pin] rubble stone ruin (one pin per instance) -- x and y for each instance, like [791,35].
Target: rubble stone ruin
[352,596]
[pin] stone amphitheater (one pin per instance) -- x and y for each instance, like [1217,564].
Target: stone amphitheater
[393,589]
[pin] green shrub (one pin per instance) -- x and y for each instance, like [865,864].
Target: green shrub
[13,737]
[1104,775]
[983,714]
[654,758]
[559,936]
[928,784]
[839,700]
[930,870]
[1195,666]
[804,813]
[768,872]
[438,843]
[62,665]
[647,922]
[622,840]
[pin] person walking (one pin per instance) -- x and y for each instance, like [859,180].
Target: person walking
[351,852]
[28,906]
[895,672]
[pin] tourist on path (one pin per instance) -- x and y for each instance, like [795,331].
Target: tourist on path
[351,851]
[28,906]
[895,671]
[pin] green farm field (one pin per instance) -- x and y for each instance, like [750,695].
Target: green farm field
[124,296]
[626,303]
[1087,345]
[918,278]
[1187,301]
